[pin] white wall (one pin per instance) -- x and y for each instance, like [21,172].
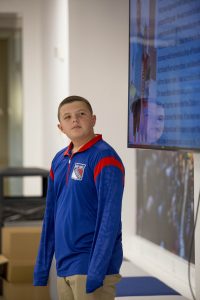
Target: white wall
[197,239]
[98,32]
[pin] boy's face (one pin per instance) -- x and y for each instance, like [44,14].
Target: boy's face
[77,122]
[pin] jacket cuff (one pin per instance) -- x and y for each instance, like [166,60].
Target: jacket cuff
[92,284]
[40,281]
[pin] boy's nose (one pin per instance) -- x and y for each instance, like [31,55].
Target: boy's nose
[75,118]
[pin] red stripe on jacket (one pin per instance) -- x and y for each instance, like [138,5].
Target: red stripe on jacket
[107,161]
[51,174]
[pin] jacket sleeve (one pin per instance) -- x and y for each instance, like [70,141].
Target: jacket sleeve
[109,181]
[46,247]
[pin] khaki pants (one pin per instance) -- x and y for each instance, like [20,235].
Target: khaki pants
[74,288]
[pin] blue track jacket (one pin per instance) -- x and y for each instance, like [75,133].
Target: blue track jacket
[82,221]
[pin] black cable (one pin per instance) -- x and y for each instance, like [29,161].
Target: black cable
[191,248]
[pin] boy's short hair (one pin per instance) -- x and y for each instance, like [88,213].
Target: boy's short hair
[71,99]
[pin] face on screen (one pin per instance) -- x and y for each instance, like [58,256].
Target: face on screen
[147,121]
[154,114]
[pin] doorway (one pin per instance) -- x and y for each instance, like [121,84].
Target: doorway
[11,97]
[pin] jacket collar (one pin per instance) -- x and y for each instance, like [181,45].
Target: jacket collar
[88,145]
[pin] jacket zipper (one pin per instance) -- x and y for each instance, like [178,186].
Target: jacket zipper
[68,170]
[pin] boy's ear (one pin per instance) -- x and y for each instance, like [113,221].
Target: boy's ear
[60,127]
[94,120]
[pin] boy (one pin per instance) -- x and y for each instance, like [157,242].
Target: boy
[82,221]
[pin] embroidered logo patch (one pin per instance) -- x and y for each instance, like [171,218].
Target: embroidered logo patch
[78,171]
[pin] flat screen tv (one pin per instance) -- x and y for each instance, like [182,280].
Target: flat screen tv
[164,74]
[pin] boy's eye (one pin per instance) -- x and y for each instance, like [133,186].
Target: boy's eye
[82,114]
[67,117]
